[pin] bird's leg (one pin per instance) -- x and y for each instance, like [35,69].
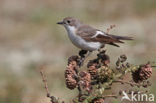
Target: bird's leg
[88,54]
[82,55]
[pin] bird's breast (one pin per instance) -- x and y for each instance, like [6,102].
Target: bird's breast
[81,43]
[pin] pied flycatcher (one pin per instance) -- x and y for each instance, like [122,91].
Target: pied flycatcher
[88,38]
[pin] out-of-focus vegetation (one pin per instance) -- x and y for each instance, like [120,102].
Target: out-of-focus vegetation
[29,37]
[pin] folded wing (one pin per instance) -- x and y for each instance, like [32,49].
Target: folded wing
[94,35]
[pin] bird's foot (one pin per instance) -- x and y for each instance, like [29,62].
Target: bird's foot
[82,53]
[81,62]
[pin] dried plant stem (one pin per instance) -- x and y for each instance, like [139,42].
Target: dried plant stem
[99,77]
[127,82]
[45,83]
[115,96]
[110,28]
[52,98]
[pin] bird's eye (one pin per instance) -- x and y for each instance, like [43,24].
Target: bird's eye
[68,21]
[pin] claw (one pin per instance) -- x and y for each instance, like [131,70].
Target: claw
[81,61]
[83,54]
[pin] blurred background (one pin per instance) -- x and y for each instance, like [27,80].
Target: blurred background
[30,37]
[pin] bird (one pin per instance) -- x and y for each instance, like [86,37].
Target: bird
[88,38]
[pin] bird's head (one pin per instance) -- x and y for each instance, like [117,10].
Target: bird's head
[70,22]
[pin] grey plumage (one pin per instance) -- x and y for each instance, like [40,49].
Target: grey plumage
[88,38]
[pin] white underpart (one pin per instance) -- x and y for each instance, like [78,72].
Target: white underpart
[98,33]
[79,42]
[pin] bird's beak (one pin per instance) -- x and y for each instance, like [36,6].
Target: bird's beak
[60,23]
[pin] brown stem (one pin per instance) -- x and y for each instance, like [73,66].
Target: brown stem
[115,96]
[52,98]
[126,82]
[111,27]
[45,83]
[153,66]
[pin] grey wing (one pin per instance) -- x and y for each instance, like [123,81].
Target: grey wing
[94,35]
[86,31]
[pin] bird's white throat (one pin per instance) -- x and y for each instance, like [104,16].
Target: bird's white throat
[70,28]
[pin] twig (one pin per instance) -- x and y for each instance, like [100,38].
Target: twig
[45,83]
[111,27]
[52,98]
[126,82]
[115,96]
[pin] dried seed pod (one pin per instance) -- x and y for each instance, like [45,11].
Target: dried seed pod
[135,76]
[85,80]
[105,60]
[69,71]
[142,73]
[73,60]
[92,68]
[128,65]
[71,83]
[145,72]
[118,62]
[93,71]
[92,62]
[104,74]
[123,58]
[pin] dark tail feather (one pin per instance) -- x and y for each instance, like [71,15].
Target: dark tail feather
[114,44]
[121,37]
[118,39]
